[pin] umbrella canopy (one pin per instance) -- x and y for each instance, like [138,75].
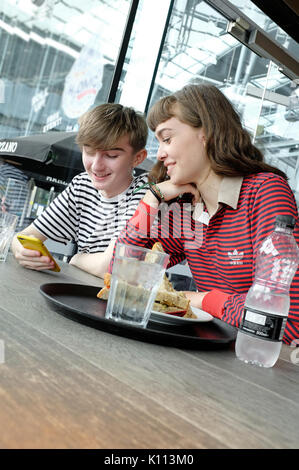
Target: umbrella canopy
[58,147]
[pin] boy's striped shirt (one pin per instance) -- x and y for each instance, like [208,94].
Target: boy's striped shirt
[83,215]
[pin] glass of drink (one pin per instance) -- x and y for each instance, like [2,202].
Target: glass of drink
[8,224]
[136,276]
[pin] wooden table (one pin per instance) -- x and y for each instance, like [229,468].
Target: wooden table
[66,385]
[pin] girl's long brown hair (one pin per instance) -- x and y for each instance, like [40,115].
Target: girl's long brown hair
[228,144]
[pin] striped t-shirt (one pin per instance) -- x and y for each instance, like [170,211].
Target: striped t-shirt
[221,254]
[83,215]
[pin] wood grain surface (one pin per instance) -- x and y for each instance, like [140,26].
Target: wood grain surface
[66,385]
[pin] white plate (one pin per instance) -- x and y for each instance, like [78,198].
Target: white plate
[166,318]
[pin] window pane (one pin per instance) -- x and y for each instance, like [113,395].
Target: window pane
[198,49]
[57,60]
[142,53]
[268,25]
[277,129]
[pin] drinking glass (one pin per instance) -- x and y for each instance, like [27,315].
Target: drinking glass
[136,276]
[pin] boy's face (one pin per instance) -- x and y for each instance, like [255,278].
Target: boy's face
[111,170]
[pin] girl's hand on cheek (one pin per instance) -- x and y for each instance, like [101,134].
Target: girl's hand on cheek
[172,191]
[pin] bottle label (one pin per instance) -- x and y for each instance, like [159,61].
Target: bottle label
[263,324]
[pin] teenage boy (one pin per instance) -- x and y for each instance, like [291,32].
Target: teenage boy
[95,206]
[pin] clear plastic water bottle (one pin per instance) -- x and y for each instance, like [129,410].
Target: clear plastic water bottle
[267,303]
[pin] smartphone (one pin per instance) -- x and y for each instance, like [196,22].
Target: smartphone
[33,243]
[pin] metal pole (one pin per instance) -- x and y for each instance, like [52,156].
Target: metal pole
[123,51]
[158,58]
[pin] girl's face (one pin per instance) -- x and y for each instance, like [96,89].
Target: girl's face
[182,150]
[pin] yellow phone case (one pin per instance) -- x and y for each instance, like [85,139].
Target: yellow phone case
[33,243]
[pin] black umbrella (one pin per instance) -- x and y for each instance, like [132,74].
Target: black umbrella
[57,147]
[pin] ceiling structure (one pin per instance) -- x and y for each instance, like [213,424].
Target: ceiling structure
[285,13]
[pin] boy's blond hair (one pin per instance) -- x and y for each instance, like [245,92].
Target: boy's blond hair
[102,126]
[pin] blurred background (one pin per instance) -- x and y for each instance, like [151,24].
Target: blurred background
[60,58]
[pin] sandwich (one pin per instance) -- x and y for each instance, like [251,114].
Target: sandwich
[167,300]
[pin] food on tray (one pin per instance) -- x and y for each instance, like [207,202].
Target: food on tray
[104,293]
[168,300]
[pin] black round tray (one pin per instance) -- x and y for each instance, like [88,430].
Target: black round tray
[80,303]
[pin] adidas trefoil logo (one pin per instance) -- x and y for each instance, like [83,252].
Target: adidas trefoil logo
[236,257]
